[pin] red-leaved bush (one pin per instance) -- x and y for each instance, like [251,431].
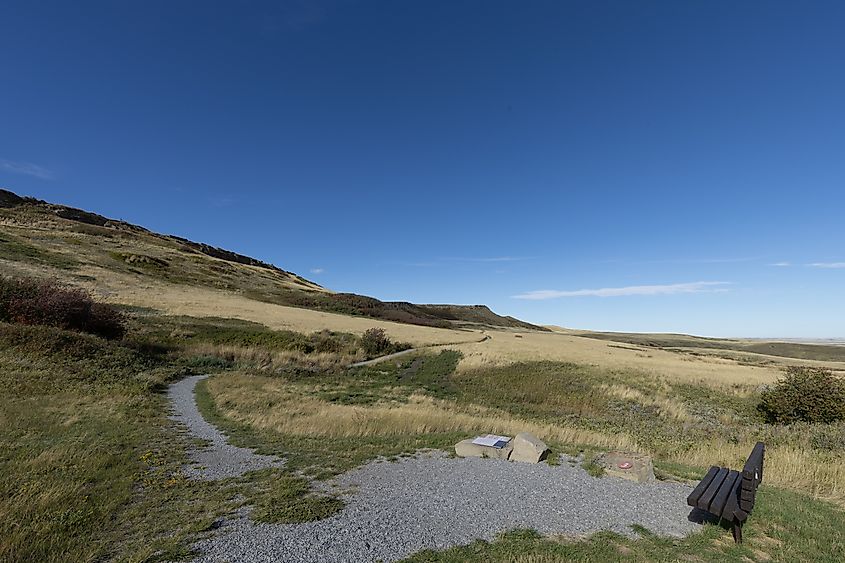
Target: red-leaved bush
[34,302]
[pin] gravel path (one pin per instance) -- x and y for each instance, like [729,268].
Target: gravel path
[410,350]
[431,501]
[220,459]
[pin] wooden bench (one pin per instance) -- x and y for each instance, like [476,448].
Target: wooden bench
[729,495]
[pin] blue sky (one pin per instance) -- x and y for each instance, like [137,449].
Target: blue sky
[637,166]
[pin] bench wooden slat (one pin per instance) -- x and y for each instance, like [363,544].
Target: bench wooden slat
[732,503]
[725,489]
[753,469]
[712,489]
[692,499]
[730,494]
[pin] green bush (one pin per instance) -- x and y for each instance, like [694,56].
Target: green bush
[375,341]
[805,394]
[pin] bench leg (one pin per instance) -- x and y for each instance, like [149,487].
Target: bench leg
[737,532]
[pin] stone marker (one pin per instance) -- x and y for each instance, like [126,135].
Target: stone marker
[528,448]
[627,465]
[465,448]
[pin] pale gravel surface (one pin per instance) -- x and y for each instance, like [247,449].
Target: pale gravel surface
[395,509]
[220,459]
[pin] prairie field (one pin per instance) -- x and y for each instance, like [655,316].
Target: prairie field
[93,468]
[292,393]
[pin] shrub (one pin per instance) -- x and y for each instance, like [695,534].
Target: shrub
[805,394]
[326,342]
[32,302]
[375,341]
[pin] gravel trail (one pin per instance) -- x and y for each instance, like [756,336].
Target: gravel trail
[411,350]
[220,459]
[395,509]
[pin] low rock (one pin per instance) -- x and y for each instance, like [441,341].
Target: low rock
[465,448]
[528,448]
[627,465]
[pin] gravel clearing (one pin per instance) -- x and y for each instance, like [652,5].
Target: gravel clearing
[395,509]
[431,501]
[219,459]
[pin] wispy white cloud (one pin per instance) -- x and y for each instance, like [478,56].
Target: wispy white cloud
[443,261]
[26,168]
[828,265]
[317,270]
[666,289]
[491,259]
[781,264]
[222,201]
[417,264]
[715,260]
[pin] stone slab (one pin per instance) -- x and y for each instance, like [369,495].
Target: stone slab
[632,466]
[465,448]
[528,448]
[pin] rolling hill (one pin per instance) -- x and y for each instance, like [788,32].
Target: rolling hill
[38,238]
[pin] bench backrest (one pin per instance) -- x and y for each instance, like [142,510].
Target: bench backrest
[752,476]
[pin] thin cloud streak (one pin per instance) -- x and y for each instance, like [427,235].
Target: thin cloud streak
[680,260]
[451,260]
[317,270]
[666,289]
[781,264]
[26,168]
[827,265]
[493,259]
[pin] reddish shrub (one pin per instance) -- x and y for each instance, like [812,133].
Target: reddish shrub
[34,302]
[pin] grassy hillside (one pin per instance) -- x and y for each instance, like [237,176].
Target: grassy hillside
[80,247]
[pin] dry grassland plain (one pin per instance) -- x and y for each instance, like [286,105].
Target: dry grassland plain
[502,347]
[726,371]
[284,408]
[690,407]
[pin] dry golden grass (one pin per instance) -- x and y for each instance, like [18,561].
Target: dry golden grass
[100,273]
[203,302]
[293,409]
[791,467]
[288,409]
[503,348]
[263,358]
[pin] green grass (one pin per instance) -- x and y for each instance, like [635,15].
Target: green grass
[13,248]
[283,498]
[783,527]
[542,391]
[433,373]
[179,331]
[320,457]
[90,467]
